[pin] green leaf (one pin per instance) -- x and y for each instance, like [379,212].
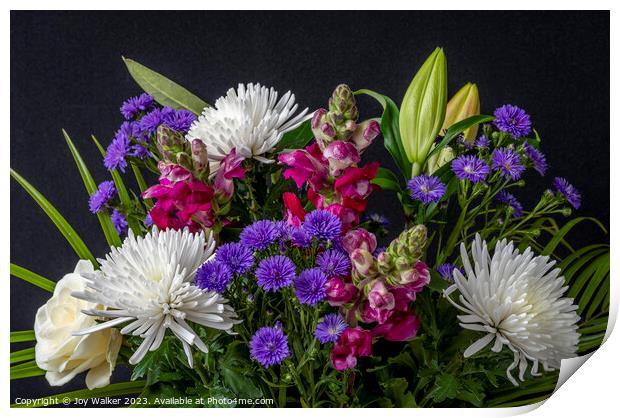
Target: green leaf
[107,226]
[396,390]
[61,223]
[115,389]
[551,246]
[297,138]
[391,131]
[22,336]
[24,370]
[32,278]
[141,184]
[458,128]
[22,355]
[446,387]
[387,180]
[235,371]
[165,91]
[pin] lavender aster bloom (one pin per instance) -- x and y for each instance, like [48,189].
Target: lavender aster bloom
[274,273]
[378,219]
[322,225]
[260,235]
[471,168]
[445,270]
[269,346]
[329,328]
[510,200]
[301,238]
[150,121]
[213,276]
[237,257]
[513,120]
[482,142]
[115,154]
[105,192]
[426,189]
[538,158]
[334,263]
[508,163]
[119,221]
[140,151]
[310,286]
[571,194]
[179,120]
[133,106]
[148,221]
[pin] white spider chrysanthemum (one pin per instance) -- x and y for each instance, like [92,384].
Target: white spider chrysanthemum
[250,119]
[149,281]
[519,302]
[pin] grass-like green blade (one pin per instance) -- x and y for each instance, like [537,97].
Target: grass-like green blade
[457,129]
[27,369]
[597,284]
[61,223]
[22,336]
[109,231]
[115,389]
[22,355]
[165,91]
[553,243]
[141,184]
[33,278]
[122,190]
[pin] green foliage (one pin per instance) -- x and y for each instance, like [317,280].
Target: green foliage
[22,336]
[32,278]
[297,138]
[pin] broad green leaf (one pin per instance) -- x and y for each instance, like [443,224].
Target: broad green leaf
[458,128]
[297,138]
[61,223]
[32,278]
[115,389]
[390,131]
[387,180]
[446,387]
[165,91]
[109,231]
[22,336]
[22,355]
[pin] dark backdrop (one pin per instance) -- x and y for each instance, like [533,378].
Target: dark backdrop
[66,72]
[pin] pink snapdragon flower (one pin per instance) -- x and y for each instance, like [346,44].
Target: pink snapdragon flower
[400,326]
[352,344]
[308,165]
[230,168]
[359,238]
[341,155]
[340,292]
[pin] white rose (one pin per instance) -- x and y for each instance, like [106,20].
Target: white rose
[64,355]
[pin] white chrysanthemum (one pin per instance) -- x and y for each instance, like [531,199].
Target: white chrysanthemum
[519,302]
[149,281]
[250,119]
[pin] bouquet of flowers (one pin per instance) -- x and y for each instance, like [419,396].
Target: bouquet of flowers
[245,270]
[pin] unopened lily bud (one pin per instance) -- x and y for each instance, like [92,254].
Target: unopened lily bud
[464,104]
[200,157]
[343,102]
[365,133]
[340,156]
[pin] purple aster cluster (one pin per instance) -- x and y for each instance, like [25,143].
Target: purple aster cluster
[119,222]
[334,263]
[134,106]
[105,192]
[259,235]
[310,286]
[116,152]
[213,276]
[513,120]
[446,271]
[470,167]
[329,328]
[536,157]
[482,142]
[269,346]
[569,191]
[275,272]
[511,201]
[426,189]
[237,257]
[508,163]
[323,225]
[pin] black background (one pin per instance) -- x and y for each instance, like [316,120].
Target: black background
[66,72]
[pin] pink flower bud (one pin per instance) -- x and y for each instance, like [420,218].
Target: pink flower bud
[365,133]
[380,297]
[363,261]
[415,278]
[359,238]
[317,118]
[340,156]
[200,158]
[340,292]
[401,326]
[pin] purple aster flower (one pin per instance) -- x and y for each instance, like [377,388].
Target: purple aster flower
[334,263]
[140,151]
[512,119]
[148,221]
[426,189]
[275,272]
[571,194]
[105,192]
[116,152]
[322,225]
[510,200]
[310,286]
[133,106]
[150,121]
[471,168]
[269,346]
[538,158]
[260,235]
[378,219]
[301,238]
[213,276]
[179,120]
[237,257]
[119,222]
[446,271]
[329,328]
[508,163]
[482,142]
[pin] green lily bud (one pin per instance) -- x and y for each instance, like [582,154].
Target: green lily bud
[423,109]
[439,159]
[464,104]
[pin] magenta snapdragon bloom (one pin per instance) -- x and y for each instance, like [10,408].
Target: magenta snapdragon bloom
[230,168]
[308,165]
[339,292]
[401,326]
[352,344]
